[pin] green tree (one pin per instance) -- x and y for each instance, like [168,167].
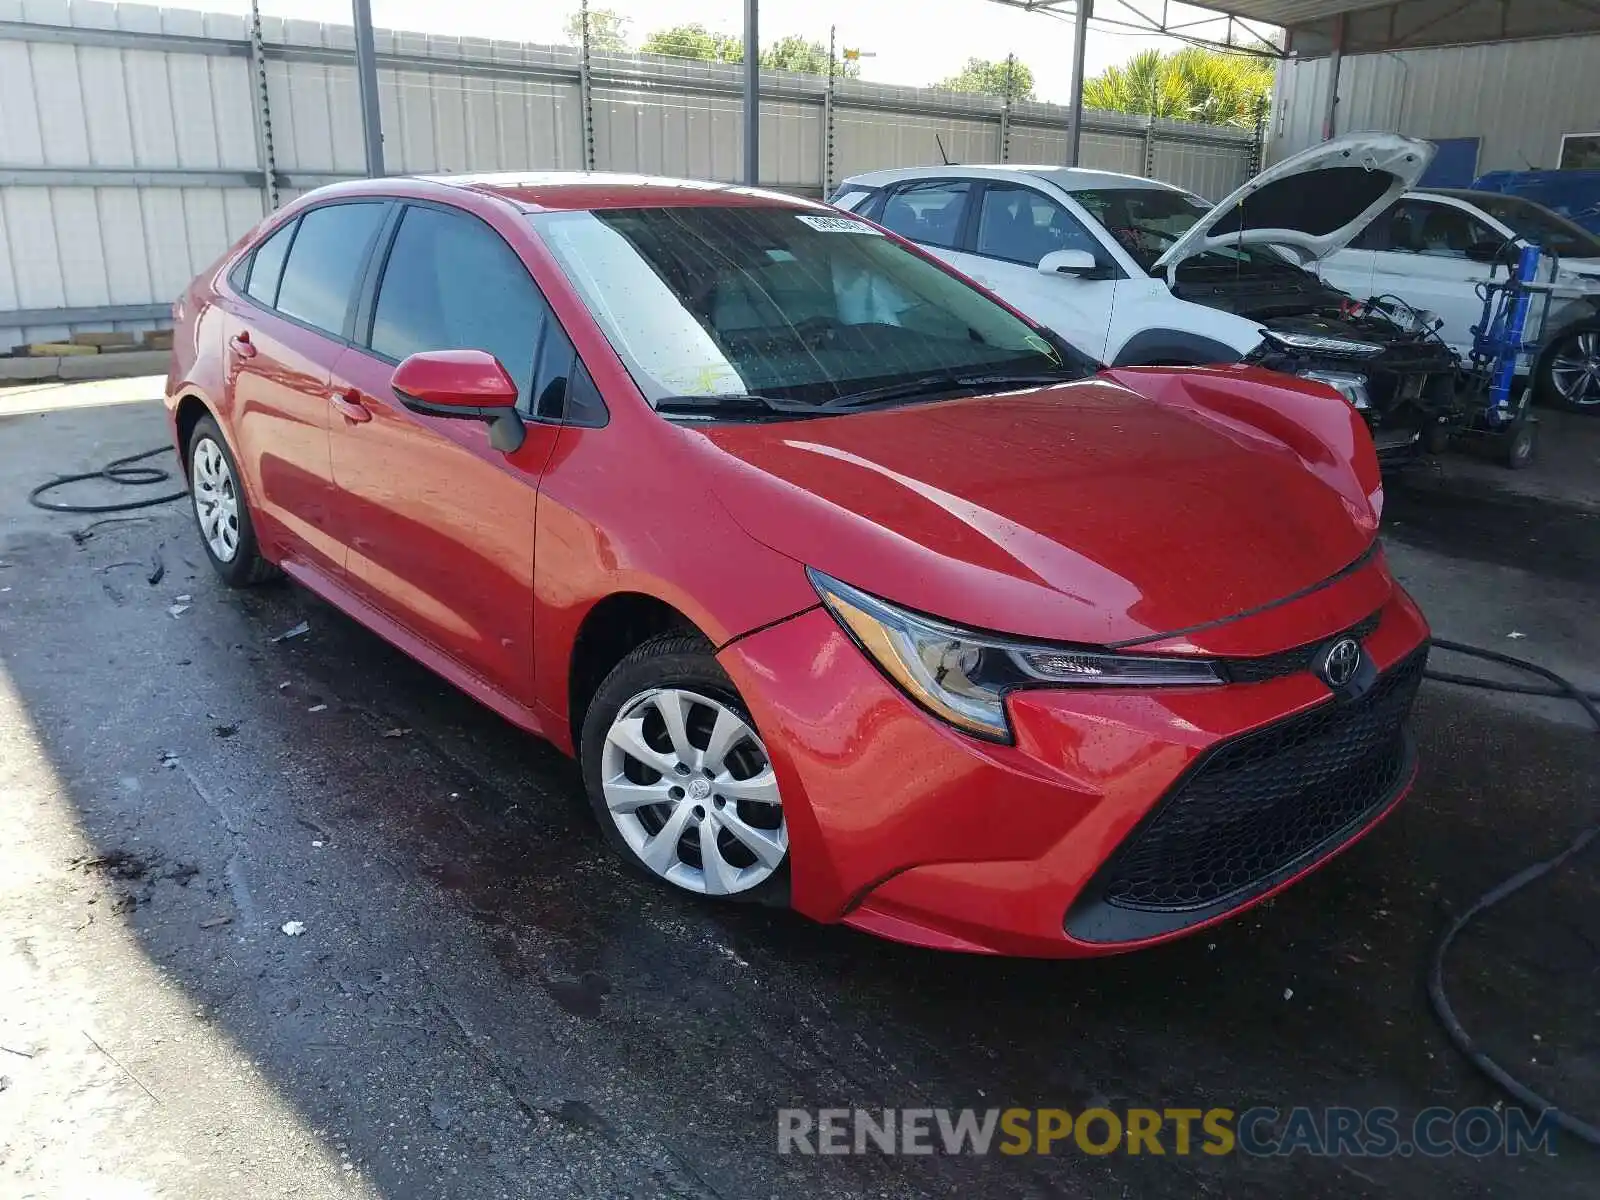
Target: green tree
[1210,86]
[1004,78]
[608,30]
[792,53]
[695,41]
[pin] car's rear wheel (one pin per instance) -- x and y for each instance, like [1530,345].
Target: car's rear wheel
[680,779]
[1571,370]
[220,510]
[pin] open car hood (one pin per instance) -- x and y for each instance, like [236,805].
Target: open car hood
[1313,202]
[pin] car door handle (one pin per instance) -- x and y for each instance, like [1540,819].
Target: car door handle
[241,345]
[348,402]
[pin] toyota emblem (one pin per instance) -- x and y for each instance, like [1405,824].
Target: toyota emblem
[1340,664]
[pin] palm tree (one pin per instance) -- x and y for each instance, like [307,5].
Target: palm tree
[1192,84]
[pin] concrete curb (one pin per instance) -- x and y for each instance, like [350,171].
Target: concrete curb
[85,366]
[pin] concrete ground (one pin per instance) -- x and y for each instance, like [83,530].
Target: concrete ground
[482,1004]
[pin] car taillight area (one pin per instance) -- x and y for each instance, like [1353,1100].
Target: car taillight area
[1254,811]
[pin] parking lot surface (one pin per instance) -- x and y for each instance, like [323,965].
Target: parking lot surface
[475,1000]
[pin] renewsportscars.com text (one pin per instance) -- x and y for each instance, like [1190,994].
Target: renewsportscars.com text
[1260,1131]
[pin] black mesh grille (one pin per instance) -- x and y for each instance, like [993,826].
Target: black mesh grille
[1287,662]
[1257,805]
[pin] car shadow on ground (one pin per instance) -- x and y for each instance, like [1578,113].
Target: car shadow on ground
[483,1002]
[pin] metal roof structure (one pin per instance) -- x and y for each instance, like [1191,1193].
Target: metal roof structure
[1313,28]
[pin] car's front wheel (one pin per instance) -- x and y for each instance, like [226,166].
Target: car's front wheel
[680,779]
[1571,369]
[220,510]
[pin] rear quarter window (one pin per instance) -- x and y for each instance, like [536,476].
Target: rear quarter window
[850,198]
[264,267]
[325,262]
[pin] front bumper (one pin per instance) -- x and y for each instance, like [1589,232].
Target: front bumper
[905,828]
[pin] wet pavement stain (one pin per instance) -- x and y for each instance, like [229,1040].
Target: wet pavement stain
[583,996]
[1555,540]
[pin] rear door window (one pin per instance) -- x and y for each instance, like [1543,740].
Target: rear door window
[452,283]
[267,265]
[1376,235]
[930,211]
[1021,225]
[1437,230]
[325,262]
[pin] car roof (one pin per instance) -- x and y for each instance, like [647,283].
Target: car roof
[547,191]
[1070,179]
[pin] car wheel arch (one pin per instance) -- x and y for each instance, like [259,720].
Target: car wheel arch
[1173,347]
[613,628]
[188,414]
[1578,320]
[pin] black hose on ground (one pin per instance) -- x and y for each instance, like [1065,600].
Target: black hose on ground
[118,470]
[1437,997]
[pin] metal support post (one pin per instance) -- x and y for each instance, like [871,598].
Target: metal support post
[263,111]
[1080,38]
[752,92]
[827,117]
[367,77]
[585,88]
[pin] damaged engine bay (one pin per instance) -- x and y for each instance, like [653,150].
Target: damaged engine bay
[1381,355]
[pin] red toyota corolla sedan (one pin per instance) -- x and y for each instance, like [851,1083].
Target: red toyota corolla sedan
[850,588]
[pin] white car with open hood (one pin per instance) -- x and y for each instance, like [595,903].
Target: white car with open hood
[1137,272]
[1433,249]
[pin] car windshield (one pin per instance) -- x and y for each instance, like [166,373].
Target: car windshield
[785,303]
[1146,221]
[1537,224]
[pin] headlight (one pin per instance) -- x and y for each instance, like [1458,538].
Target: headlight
[1316,343]
[962,676]
[1352,387]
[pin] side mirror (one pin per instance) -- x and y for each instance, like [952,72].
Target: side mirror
[1493,250]
[1069,262]
[466,385]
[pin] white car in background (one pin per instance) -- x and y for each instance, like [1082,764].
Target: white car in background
[1433,248]
[1136,272]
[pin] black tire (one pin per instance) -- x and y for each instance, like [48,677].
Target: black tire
[246,567]
[670,660]
[1580,341]
[1517,451]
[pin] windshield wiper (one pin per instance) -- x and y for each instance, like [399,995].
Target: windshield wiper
[737,404]
[930,384]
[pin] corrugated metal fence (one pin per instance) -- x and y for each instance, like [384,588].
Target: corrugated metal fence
[137,143]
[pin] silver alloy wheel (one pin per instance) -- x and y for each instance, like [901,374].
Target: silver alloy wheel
[692,792]
[1575,368]
[216,499]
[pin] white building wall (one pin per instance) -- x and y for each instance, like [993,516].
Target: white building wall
[1519,97]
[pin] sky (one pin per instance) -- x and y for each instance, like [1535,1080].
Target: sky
[916,42]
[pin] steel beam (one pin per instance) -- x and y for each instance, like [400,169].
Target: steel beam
[367,77]
[85,316]
[120,39]
[1080,40]
[752,92]
[176,177]
[1330,115]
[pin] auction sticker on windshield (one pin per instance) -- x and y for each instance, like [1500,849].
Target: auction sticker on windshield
[838,224]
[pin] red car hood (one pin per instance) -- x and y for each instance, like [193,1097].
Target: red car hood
[1088,512]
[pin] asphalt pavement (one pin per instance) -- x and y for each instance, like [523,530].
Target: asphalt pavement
[283,914]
